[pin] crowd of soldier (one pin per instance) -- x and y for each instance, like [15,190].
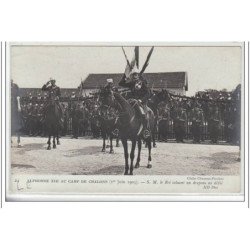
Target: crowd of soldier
[199,118]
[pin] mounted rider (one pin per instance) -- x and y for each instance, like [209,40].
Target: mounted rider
[138,86]
[108,112]
[105,108]
[110,84]
[54,93]
[53,90]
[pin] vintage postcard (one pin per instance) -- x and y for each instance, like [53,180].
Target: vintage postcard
[123,121]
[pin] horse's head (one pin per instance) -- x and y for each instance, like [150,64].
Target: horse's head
[162,96]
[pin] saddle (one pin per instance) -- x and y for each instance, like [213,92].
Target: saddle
[142,111]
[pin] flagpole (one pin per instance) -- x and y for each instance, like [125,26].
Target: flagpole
[137,56]
[126,58]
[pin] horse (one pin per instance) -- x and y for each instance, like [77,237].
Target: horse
[53,119]
[108,127]
[16,125]
[154,101]
[130,127]
[15,130]
[108,123]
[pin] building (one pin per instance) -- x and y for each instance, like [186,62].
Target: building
[65,92]
[174,82]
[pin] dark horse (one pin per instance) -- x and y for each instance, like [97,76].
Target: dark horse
[53,122]
[108,122]
[130,127]
[154,101]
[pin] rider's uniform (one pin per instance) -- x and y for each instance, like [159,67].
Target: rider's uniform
[140,93]
[54,93]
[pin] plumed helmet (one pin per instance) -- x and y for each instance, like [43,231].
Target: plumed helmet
[135,70]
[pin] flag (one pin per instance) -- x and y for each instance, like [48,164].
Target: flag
[137,56]
[81,88]
[127,71]
[147,60]
[134,65]
[135,61]
[128,66]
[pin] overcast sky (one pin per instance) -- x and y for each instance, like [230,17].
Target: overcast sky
[207,67]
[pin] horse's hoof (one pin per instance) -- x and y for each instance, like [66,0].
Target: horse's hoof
[131,173]
[155,146]
[54,146]
[58,143]
[103,150]
[137,165]
[149,165]
[126,173]
[111,151]
[48,148]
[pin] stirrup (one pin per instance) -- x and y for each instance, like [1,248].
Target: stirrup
[115,132]
[146,134]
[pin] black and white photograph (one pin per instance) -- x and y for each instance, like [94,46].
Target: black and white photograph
[125,118]
[124,123]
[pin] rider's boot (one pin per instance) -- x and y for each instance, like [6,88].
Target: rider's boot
[145,132]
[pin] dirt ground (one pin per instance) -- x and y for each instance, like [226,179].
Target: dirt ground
[84,157]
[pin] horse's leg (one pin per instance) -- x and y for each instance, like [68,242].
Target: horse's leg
[111,145]
[132,156]
[49,147]
[104,142]
[54,141]
[125,147]
[117,142]
[154,144]
[18,140]
[137,165]
[153,136]
[57,138]
[149,153]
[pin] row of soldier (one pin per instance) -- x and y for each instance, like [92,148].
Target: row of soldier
[199,118]
[202,118]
